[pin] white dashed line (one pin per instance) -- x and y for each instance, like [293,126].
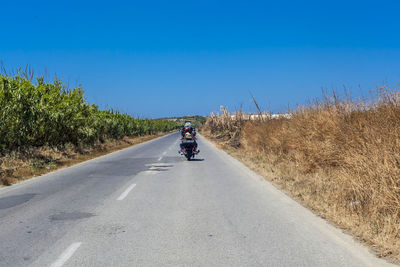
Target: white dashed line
[162,155]
[126,192]
[66,255]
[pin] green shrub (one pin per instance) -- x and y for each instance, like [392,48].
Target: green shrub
[42,113]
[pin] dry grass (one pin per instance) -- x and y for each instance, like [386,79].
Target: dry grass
[18,166]
[337,156]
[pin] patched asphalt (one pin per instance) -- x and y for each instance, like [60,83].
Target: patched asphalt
[209,212]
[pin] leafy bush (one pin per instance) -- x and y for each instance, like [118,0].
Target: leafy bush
[42,113]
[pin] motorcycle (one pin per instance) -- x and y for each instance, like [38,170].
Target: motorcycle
[188,148]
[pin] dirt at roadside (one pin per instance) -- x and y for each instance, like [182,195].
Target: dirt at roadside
[22,165]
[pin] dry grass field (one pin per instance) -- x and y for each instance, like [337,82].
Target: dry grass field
[338,156]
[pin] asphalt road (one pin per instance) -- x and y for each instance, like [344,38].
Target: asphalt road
[148,206]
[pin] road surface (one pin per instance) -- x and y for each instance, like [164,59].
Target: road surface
[148,206]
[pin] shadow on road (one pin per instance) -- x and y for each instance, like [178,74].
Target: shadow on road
[197,160]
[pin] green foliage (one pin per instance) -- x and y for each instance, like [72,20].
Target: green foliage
[196,120]
[41,113]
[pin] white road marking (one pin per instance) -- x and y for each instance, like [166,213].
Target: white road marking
[126,192]
[66,255]
[162,155]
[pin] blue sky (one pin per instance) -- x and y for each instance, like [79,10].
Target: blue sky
[168,58]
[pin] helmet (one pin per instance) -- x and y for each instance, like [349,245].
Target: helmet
[188,124]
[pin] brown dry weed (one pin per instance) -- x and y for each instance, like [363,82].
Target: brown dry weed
[337,156]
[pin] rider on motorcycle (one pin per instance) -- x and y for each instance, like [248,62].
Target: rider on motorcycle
[188,132]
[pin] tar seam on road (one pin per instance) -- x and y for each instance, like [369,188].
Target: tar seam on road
[66,255]
[126,192]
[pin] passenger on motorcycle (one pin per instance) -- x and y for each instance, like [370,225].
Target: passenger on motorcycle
[188,133]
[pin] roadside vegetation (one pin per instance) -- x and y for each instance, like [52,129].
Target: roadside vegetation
[338,156]
[196,120]
[39,119]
